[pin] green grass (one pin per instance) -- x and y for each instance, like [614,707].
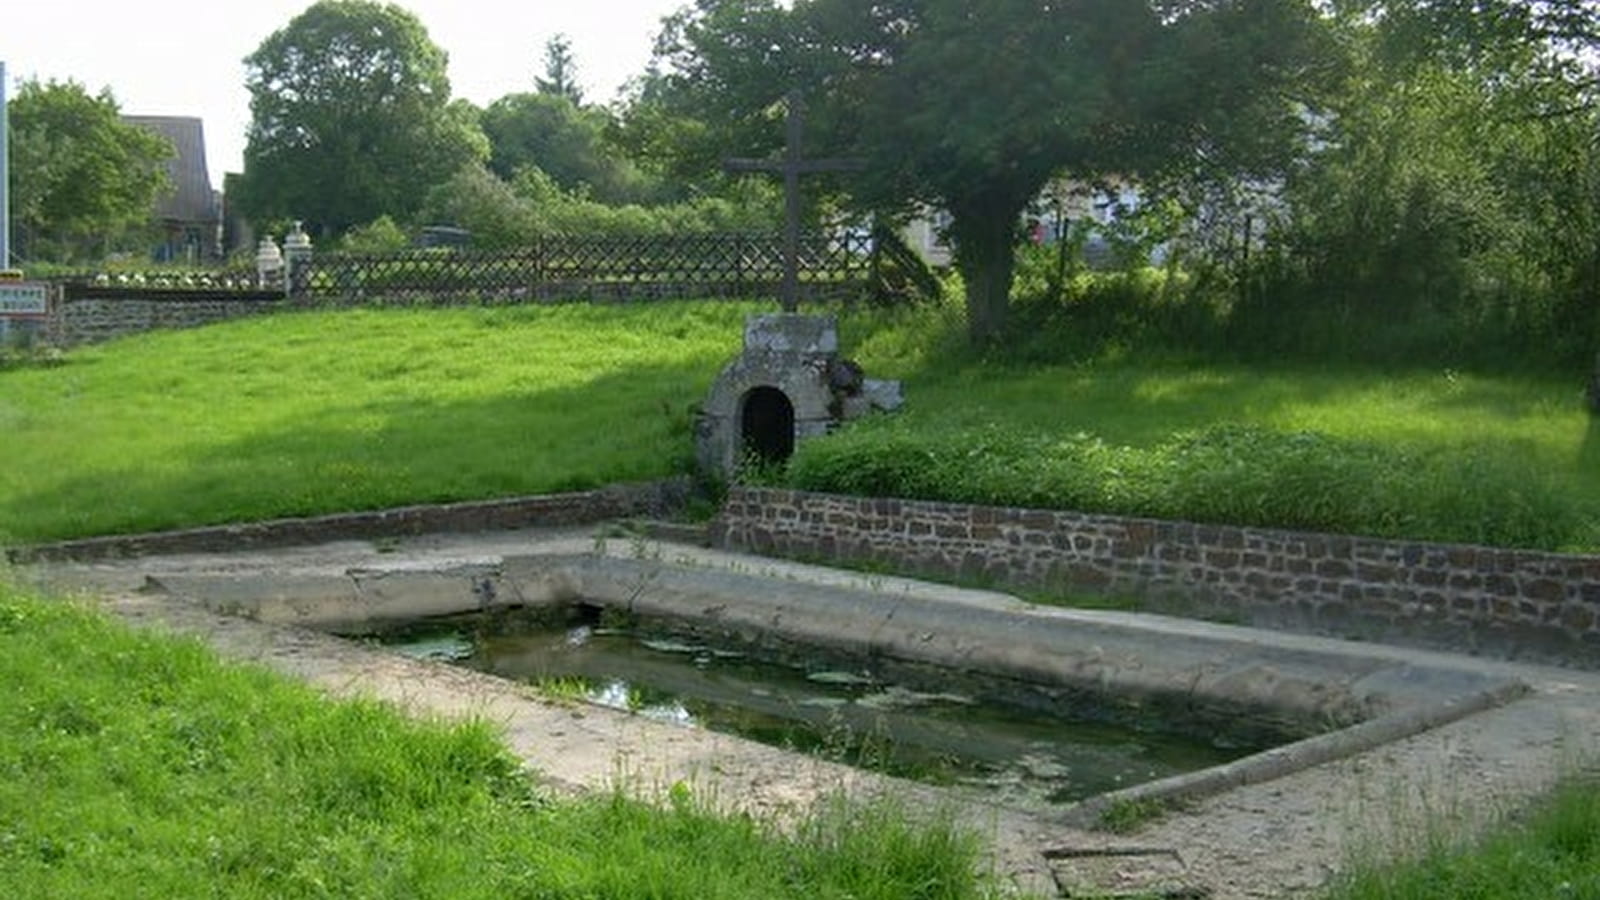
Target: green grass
[139,765]
[1443,455]
[317,412]
[1553,851]
[307,413]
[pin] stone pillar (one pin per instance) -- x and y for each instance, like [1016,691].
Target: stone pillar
[269,265]
[297,260]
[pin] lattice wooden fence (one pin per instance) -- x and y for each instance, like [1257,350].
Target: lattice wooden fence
[846,264]
[721,263]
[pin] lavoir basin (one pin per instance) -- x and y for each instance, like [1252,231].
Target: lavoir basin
[1056,709]
[918,722]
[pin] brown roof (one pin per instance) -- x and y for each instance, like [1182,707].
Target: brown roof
[191,199]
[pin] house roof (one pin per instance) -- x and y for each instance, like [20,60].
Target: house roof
[192,199]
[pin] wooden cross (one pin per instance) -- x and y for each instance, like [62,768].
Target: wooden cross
[791,167]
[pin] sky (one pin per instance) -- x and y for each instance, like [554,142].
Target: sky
[187,59]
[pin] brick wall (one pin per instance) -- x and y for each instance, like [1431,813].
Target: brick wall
[1521,604]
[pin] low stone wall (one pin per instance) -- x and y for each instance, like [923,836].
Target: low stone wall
[77,320]
[654,498]
[86,315]
[1519,604]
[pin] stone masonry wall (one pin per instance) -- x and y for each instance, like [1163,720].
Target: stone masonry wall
[86,320]
[1519,604]
[655,498]
[89,320]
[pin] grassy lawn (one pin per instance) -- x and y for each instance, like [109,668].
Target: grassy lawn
[317,412]
[139,765]
[1509,460]
[307,413]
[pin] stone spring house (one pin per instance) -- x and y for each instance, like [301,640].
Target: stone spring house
[188,218]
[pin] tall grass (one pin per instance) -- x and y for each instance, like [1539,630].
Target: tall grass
[1431,454]
[139,765]
[1552,851]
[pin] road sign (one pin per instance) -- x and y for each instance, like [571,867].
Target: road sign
[24,300]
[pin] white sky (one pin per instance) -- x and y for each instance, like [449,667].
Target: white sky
[187,59]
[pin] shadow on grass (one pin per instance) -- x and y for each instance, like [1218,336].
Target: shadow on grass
[628,425]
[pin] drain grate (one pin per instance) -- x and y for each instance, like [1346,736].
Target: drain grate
[1123,872]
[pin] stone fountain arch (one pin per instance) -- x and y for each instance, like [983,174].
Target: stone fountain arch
[788,385]
[766,425]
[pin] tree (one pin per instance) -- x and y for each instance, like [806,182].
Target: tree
[560,71]
[974,107]
[351,118]
[80,176]
[566,141]
[1544,38]
[1456,189]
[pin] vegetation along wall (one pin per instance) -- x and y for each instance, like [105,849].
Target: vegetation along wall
[1522,604]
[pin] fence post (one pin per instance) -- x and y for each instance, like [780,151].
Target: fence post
[297,261]
[741,248]
[269,264]
[537,269]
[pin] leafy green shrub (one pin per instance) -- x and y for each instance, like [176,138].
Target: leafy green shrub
[1090,314]
[1233,474]
[381,235]
[505,213]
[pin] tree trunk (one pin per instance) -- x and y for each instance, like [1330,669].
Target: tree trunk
[986,257]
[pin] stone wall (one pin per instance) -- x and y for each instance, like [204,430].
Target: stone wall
[87,318]
[1519,604]
[655,498]
[91,319]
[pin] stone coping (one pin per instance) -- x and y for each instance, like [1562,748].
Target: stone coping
[546,510]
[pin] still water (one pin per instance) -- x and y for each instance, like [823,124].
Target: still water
[852,715]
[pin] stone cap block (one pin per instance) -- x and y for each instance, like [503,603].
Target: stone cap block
[792,333]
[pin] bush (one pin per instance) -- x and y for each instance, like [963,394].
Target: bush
[1092,313]
[381,235]
[501,213]
[1228,474]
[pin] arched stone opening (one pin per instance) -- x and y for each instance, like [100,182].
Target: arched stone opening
[766,425]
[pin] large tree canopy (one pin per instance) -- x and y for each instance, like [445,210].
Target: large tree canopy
[351,117]
[80,176]
[548,131]
[1457,189]
[974,106]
